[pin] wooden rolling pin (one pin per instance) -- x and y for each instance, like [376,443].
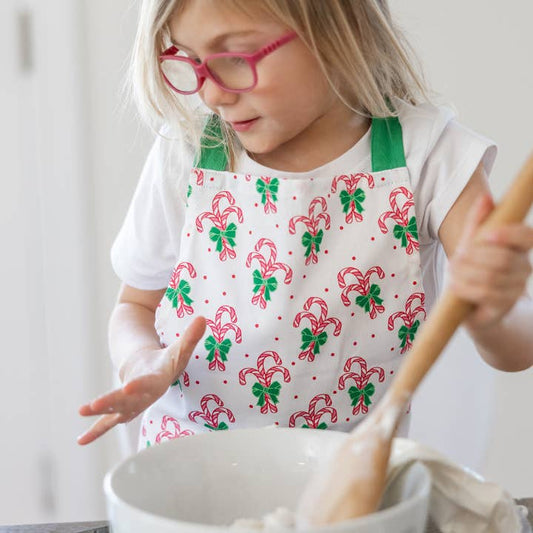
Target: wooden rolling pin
[351,484]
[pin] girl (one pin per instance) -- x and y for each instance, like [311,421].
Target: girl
[276,271]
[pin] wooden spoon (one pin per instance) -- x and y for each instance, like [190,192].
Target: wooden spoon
[352,482]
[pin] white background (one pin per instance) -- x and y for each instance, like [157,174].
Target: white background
[71,155]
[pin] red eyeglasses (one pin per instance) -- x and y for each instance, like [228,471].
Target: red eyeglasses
[233,72]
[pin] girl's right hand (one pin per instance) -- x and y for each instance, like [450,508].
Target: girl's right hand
[146,376]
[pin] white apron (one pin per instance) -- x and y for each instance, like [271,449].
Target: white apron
[312,291]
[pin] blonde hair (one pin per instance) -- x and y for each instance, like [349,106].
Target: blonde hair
[363,54]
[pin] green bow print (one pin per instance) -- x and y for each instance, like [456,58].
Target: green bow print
[217,235]
[222,426]
[322,425]
[406,333]
[358,197]
[308,240]
[270,284]
[364,301]
[272,391]
[308,337]
[264,188]
[182,290]
[211,345]
[400,232]
[356,393]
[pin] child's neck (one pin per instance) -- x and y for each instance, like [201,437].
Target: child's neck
[323,141]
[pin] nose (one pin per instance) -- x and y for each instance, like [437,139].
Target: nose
[214,96]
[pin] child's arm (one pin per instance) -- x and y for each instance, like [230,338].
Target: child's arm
[145,369]
[491,272]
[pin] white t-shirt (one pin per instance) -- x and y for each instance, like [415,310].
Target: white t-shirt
[441,156]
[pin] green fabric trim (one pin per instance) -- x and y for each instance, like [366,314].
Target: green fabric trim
[213,154]
[387,144]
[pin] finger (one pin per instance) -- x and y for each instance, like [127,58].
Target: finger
[492,265]
[479,212]
[181,351]
[108,403]
[516,236]
[101,426]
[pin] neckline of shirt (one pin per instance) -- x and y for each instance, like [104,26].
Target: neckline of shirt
[355,158]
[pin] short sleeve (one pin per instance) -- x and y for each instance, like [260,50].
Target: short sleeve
[446,171]
[441,156]
[147,246]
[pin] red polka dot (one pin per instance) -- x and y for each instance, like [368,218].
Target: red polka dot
[314,378]
[395,247]
[234,176]
[326,289]
[223,293]
[225,382]
[295,396]
[177,334]
[373,336]
[294,197]
[291,297]
[382,179]
[353,314]
[290,252]
[392,349]
[341,227]
[334,392]
[355,343]
[256,204]
[279,318]
[393,275]
[246,355]
[211,179]
[257,325]
[197,357]
[332,354]
[205,277]
[276,423]
[293,363]
[347,420]
[396,296]
[304,276]
[326,251]
[415,283]
[276,338]
[277,225]
[209,249]
[188,234]
[392,372]
[251,406]
[197,382]
[372,238]
[206,301]
[151,421]
[233,276]
[250,232]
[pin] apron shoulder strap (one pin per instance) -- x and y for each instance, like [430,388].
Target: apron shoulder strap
[213,155]
[386,144]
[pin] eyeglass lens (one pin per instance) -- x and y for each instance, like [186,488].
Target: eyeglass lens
[231,72]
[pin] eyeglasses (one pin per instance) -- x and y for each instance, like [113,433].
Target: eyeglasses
[233,72]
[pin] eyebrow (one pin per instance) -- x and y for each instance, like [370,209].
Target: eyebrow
[216,41]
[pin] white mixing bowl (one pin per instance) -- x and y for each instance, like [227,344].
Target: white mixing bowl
[203,483]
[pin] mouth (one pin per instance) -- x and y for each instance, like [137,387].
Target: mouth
[243,125]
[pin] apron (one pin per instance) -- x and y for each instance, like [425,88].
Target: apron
[311,289]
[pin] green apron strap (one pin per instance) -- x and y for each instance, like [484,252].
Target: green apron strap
[387,144]
[213,154]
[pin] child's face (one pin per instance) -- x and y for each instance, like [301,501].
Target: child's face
[292,98]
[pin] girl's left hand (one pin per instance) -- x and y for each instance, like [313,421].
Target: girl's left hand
[490,269]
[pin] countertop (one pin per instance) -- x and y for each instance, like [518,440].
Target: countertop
[101,527]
